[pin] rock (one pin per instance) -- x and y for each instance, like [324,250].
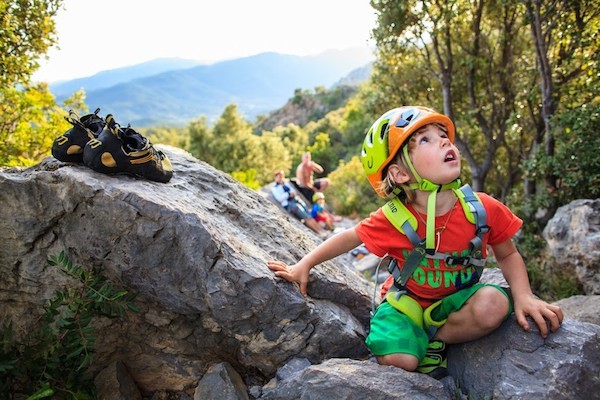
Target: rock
[195,251]
[573,237]
[356,380]
[581,308]
[221,382]
[115,383]
[513,364]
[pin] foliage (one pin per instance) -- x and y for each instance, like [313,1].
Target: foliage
[29,117]
[28,31]
[350,192]
[231,146]
[565,37]
[171,136]
[546,282]
[577,144]
[29,122]
[247,178]
[53,358]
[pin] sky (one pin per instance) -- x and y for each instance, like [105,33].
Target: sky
[95,36]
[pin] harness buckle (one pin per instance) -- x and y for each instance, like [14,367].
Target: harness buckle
[450,260]
[482,229]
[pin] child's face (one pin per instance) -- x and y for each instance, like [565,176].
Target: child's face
[434,156]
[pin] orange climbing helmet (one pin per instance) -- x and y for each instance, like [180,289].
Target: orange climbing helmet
[390,132]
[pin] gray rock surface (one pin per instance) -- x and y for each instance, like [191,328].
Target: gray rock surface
[573,237]
[195,250]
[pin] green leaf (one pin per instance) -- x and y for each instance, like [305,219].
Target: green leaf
[44,392]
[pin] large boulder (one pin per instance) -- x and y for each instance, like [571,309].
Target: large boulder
[195,250]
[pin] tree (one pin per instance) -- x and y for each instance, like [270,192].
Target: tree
[565,37]
[468,48]
[232,147]
[29,121]
[200,139]
[29,118]
[28,31]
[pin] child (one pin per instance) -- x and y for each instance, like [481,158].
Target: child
[439,301]
[319,213]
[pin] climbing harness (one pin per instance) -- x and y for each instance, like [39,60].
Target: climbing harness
[405,222]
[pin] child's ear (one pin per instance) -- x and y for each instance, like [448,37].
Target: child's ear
[398,174]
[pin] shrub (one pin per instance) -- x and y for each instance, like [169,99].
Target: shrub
[52,359]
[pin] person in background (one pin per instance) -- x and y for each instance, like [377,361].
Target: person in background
[437,232]
[319,213]
[305,180]
[286,196]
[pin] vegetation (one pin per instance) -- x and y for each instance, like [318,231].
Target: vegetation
[28,115]
[51,360]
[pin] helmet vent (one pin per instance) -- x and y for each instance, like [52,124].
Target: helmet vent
[406,118]
[369,138]
[383,132]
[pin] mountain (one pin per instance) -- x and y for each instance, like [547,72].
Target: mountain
[109,78]
[257,84]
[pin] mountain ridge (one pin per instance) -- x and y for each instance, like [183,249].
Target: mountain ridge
[257,84]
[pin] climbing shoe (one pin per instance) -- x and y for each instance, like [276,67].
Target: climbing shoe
[69,146]
[124,150]
[435,363]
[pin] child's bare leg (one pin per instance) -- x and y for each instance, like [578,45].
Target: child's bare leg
[407,362]
[482,314]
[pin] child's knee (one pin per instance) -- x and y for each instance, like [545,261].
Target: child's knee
[407,362]
[490,307]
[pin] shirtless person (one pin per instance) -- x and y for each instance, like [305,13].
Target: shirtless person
[304,177]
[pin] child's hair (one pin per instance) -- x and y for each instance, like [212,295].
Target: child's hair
[387,184]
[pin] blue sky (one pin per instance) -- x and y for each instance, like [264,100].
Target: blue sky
[98,35]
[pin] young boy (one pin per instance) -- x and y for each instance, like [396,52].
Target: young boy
[409,156]
[319,213]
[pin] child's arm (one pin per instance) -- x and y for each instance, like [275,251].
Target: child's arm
[526,304]
[332,247]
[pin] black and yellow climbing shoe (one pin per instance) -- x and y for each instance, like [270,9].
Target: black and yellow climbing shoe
[124,150]
[69,146]
[435,363]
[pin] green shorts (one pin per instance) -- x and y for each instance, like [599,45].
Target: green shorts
[393,332]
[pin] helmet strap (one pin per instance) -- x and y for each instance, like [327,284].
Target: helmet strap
[428,186]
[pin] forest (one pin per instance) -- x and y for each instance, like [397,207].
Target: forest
[518,77]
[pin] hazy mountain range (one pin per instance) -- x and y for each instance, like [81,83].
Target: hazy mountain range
[174,91]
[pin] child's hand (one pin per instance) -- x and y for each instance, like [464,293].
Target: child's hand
[540,312]
[291,274]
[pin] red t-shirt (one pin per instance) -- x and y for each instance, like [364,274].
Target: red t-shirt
[433,279]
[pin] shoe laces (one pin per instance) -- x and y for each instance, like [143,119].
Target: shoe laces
[90,122]
[133,141]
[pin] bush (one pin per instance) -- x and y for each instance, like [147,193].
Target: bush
[52,360]
[350,192]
